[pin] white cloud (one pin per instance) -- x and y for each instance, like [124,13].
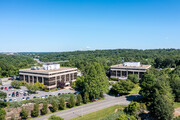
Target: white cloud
[87,47]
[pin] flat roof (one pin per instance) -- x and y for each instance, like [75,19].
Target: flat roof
[61,69]
[138,67]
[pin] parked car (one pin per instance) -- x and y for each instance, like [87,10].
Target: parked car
[5,100]
[34,97]
[21,92]
[23,98]
[17,94]
[10,100]
[13,94]
[59,94]
[5,88]
[10,87]
[46,96]
[2,88]
[9,78]
[15,99]
[9,95]
[27,98]
[24,94]
[42,97]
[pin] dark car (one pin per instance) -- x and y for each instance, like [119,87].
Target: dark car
[24,94]
[10,87]
[46,96]
[59,94]
[17,94]
[2,88]
[27,98]
[10,100]
[34,97]
[13,94]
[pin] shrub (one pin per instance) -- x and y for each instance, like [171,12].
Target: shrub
[3,104]
[2,114]
[62,103]
[44,110]
[86,98]
[3,95]
[133,108]
[122,87]
[54,117]
[71,102]
[79,99]
[54,106]
[35,111]
[134,78]
[24,113]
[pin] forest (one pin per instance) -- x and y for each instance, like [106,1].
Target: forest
[158,58]
[10,64]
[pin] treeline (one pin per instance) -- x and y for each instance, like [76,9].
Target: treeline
[10,64]
[159,58]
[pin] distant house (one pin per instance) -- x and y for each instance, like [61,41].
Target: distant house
[121,71]
[50,75]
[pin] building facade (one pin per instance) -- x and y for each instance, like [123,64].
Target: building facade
[50,75]
[121,71]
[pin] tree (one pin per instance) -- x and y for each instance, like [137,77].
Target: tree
[40,86]
[162,106]
[3,95]
[86,98]
[44,110]
[16,84]
[71,102]
[79,100]
[54,106]
[3,104]
[122,87]
[2,114]
[95,80]
[35,111]
[133,108]
[24,113]
[147,84]
[122,117]
[134,78]
[175,85]
[62,103]
[54,117]
[32,88]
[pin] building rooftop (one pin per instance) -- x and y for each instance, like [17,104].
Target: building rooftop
[125,66]
[61,69]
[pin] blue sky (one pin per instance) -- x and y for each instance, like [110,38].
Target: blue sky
[68,25]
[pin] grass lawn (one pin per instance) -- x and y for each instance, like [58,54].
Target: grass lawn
[135,90]
[176,104]
[100,114]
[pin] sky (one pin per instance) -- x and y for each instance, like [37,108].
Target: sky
[69,25]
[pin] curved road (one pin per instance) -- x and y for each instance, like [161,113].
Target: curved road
[92,107]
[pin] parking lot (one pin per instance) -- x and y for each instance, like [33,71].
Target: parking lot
[22,94]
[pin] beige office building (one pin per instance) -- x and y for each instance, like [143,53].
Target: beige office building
[121,71]
[50,75]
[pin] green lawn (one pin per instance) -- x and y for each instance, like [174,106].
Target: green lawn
[176,104]
[135,90]
[101,113]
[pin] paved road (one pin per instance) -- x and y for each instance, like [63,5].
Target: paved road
[92,107]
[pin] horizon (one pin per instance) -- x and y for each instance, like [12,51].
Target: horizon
[95,50]
[68,25]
